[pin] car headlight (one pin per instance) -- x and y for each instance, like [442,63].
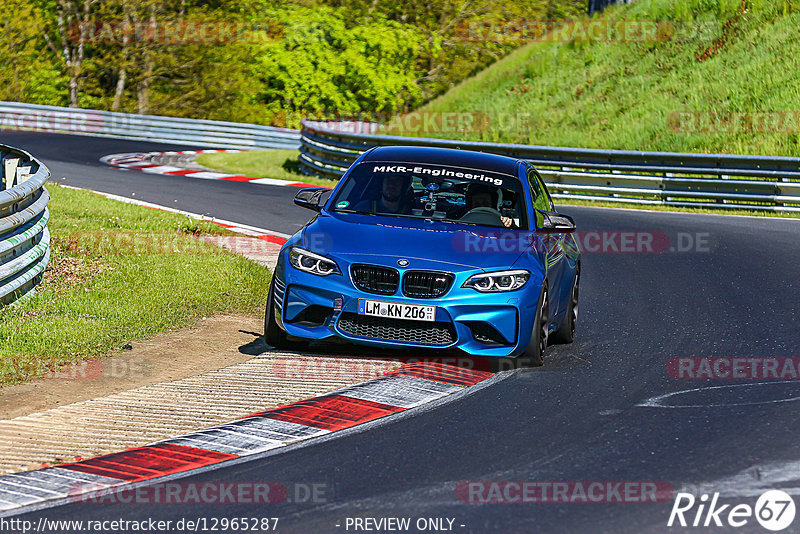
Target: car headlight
[498,282]
[312,263]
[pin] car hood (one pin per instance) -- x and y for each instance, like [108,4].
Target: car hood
[425,244]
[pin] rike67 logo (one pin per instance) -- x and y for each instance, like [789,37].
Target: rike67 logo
[774,510]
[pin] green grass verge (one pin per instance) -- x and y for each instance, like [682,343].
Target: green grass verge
[280,164]
[118,273]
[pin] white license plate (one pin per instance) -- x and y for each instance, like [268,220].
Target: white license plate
[395,310]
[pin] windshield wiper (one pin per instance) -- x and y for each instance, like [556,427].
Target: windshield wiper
[417,217]
[359,212]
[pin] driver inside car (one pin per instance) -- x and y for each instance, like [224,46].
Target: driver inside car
[393,197]
[484,196]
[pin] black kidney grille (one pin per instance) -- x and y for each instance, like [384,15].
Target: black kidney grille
[375,279]
[426,284]
[421,332]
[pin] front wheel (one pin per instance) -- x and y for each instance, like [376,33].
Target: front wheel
[566,332]
[534,354]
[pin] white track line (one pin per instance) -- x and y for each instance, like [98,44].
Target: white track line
[140,161]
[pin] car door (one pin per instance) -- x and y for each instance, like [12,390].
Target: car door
[555,262]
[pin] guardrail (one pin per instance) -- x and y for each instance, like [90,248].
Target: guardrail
[172,130]
[24,237]
[665,178]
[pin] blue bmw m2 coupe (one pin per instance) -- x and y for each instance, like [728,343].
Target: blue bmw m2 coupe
[430,248]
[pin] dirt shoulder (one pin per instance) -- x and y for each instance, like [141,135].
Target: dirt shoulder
[212,343]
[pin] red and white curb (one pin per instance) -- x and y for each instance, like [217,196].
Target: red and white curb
[271,236]
[409,386]
[141,161]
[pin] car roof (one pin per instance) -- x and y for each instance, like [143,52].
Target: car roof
[444,156]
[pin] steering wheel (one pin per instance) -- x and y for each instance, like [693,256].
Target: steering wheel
[484,216]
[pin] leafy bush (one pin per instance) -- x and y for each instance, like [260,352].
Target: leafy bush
[324,66]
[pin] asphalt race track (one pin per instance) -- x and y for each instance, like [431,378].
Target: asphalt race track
[578,418]
[77,159]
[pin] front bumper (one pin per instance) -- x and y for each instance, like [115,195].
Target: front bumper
[480,324]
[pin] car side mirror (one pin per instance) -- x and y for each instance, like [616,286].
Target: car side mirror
[311,198]
[553,222]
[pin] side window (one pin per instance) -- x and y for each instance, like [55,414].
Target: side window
[541,199]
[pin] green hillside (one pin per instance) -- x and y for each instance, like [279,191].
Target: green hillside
[671,93]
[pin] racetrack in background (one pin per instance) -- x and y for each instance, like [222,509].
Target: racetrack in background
[78,159]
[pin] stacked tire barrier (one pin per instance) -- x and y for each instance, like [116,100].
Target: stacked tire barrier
[664,178]
[172,130]
[24,237]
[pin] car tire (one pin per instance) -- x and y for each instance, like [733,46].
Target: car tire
[274,334]
[566,332]
[534,353]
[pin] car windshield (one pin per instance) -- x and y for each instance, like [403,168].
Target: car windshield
[438,192]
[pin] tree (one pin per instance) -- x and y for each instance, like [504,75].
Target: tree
[67,36]
[27,74]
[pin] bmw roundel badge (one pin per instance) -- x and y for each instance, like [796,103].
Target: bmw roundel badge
[402,263]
